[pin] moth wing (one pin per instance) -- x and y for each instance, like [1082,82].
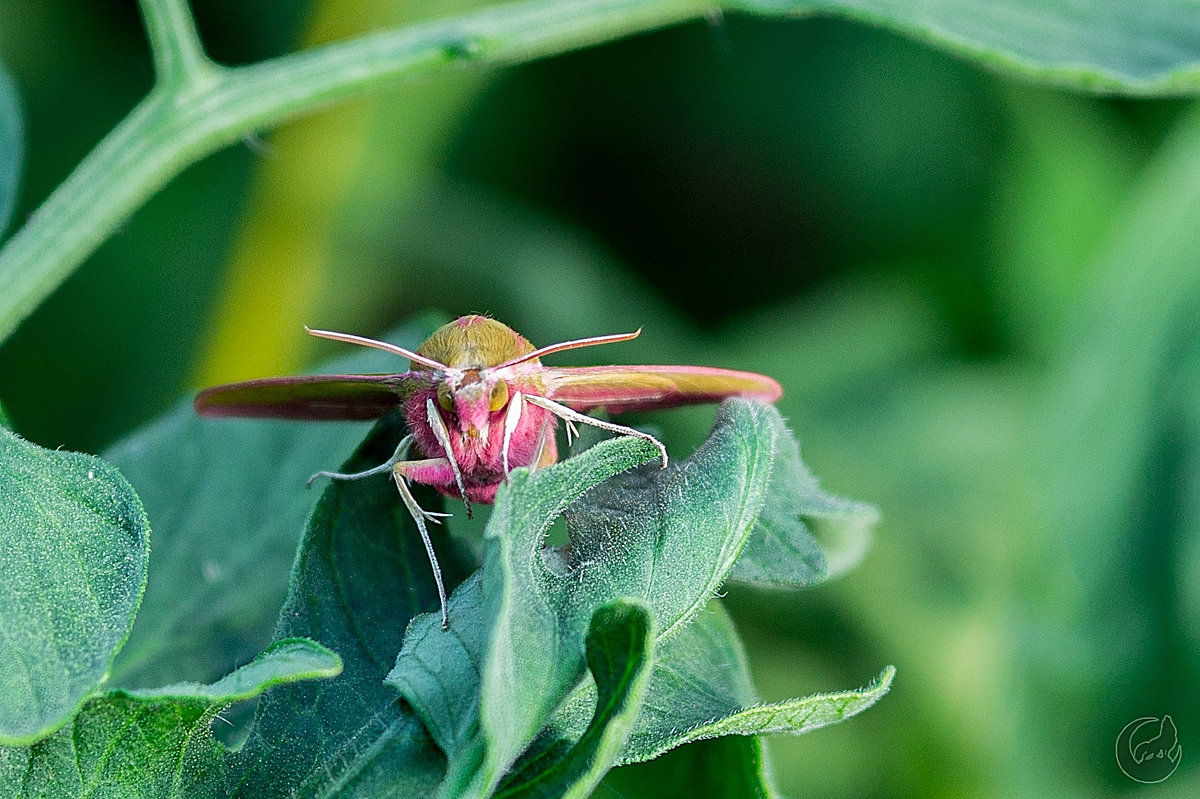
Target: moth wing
[315,397]
[631,388]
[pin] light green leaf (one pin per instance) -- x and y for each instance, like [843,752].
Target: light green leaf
[620,644]
[794,716]
[361,573]
[152,743]
[1103,45]
[803,534]
[701,689]
[228,501]
[74,540]
[12,148]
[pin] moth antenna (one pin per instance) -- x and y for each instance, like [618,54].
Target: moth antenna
[571,345]
[443,437]
[349,338]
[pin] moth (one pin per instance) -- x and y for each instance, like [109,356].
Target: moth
[479,403]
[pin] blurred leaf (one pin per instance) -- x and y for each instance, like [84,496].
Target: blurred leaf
[228,502]
[803,534]
[5,421]
[152,743]
[1067,168]
[360,575]
[1115,460]
[12,148]
[75,541]
[1103,45]
[619,645]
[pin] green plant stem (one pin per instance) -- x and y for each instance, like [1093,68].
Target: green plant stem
[198,107]
[179,58]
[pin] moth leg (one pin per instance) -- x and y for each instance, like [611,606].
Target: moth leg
[401,471]
[401,451]
[511,418]
[572,433]
[443,437]
[568,415]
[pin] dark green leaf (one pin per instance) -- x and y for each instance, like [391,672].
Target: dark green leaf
[12,148]
[228,501]
[1107,45]
[803,534]
[619,643]
[360,575]
[74,540]
[732,767]
[667,536]
[152,743]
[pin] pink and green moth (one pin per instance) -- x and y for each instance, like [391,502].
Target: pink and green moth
[479,403]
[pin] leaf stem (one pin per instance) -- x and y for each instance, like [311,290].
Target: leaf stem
[198,107]
[179,57]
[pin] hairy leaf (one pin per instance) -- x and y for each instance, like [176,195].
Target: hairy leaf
[701,689]
[361,573]
[803,534]
[620,645]
[152,743]
[74,541]
[668,537]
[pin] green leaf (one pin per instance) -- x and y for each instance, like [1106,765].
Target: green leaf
[12,148]
[732,767]
[361,573]
[229,504]
[667,536]
[701,689]
[74,540]
[1106,45]
[620,643]
[152,743]
[803,534]
[794,716]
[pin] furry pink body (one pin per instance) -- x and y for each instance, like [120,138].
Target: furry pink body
[480,457]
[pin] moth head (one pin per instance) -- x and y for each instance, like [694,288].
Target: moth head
[471,398]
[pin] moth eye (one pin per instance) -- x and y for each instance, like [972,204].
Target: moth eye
[499,396]
[445,398]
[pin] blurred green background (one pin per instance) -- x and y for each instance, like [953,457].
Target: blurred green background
[980,296]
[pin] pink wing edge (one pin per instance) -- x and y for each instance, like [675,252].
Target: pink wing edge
[618,389]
